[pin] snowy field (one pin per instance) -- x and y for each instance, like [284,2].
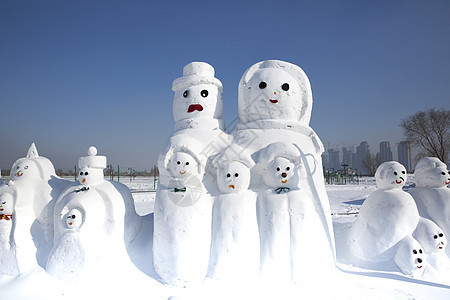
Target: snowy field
[351,282]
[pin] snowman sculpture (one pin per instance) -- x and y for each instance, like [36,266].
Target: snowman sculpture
[410,257]
[434,243]
[8,259]
[290,228]
[182,228]
[431,193]
[387,216]
[95,222]
[235,238]
[274,105]
[32,190]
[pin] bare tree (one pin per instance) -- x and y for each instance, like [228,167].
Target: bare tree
[371,163]
[430,131]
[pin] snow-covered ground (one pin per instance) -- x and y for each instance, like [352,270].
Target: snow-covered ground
[351,282]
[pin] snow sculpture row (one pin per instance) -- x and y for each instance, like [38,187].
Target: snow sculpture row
[248,202]
[391,227]
[72,229]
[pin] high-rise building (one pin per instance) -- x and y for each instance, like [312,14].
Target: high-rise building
[385,152]
[362,152]
[333,159]
[347,158]
[404,155]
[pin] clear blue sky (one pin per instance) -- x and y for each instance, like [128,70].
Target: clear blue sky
[81,73]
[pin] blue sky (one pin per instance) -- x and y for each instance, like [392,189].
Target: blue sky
[81,73]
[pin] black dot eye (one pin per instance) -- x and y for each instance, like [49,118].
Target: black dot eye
[228,175]
[26,167]
[441,235]
[443,173]
[415,251]
[85,173]
[288,168]
[178,162]
[420,251]
[187,163]
[395,173]
[278,169]
[285,87]
[73,216]
[403,172]
[204,93]
[435,236]
[185,94]
[262,85]
[236,175]
[81,173]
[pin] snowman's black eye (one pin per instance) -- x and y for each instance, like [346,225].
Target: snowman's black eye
[18,167]
[285,87]
[204,93]
[85,173]
[185,94]
[415,251]
[441,235]
[178,162]
[228,175]
[403,172]
[443,173]
[81,173]
[262,85]
[288,168]
[435,236]
[187,163]
[278,169]
[395,173]
[26,167]
[4,202]
[420,251]
[73,216]
[236,175]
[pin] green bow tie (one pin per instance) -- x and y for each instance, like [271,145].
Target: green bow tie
[282,190]
[179,190]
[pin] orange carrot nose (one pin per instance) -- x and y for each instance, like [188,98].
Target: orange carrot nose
[70,223]
[274,93]
[84,180]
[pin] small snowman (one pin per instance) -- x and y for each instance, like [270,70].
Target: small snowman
[6,216]
[410,258]
[91,169]
[387,216]
[431,192]
[235,237]
[434,242]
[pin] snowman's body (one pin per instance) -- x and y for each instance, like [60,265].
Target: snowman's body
[387,216]
[235,238]
[431,193]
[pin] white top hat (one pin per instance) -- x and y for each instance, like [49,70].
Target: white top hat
[196,73]
[92,160]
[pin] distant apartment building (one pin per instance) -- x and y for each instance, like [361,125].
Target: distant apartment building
[333,159]
[347,157]
[362,152]
[385,152]
[404,155]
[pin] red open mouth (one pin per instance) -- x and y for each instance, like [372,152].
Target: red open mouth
[1,209]
[440,247]
[447,182]
[398,181]
[19,173]
[419,267]
[273,101]
[194,107]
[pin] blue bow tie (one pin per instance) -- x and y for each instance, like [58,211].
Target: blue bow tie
[282,190]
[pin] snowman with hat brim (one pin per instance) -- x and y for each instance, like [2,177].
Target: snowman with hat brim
[235,237]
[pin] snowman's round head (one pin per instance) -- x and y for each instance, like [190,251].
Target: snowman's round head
[410,257]
[25,168]
[91,167]
[198,94]
[74,218]
[183,165]
[430,236]
[431,173]
[233,177]
[390,174]
[281,172]
[6,204]
[274,89]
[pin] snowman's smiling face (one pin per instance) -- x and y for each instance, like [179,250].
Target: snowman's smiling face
[273,94]
[24,169]
[280,173]
[90,176]
[197,101]
[74,219]
[436,177]
[233,177]
[6,204]
[391,175]
[183,165]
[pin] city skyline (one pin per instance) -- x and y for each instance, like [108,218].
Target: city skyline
[80,73]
